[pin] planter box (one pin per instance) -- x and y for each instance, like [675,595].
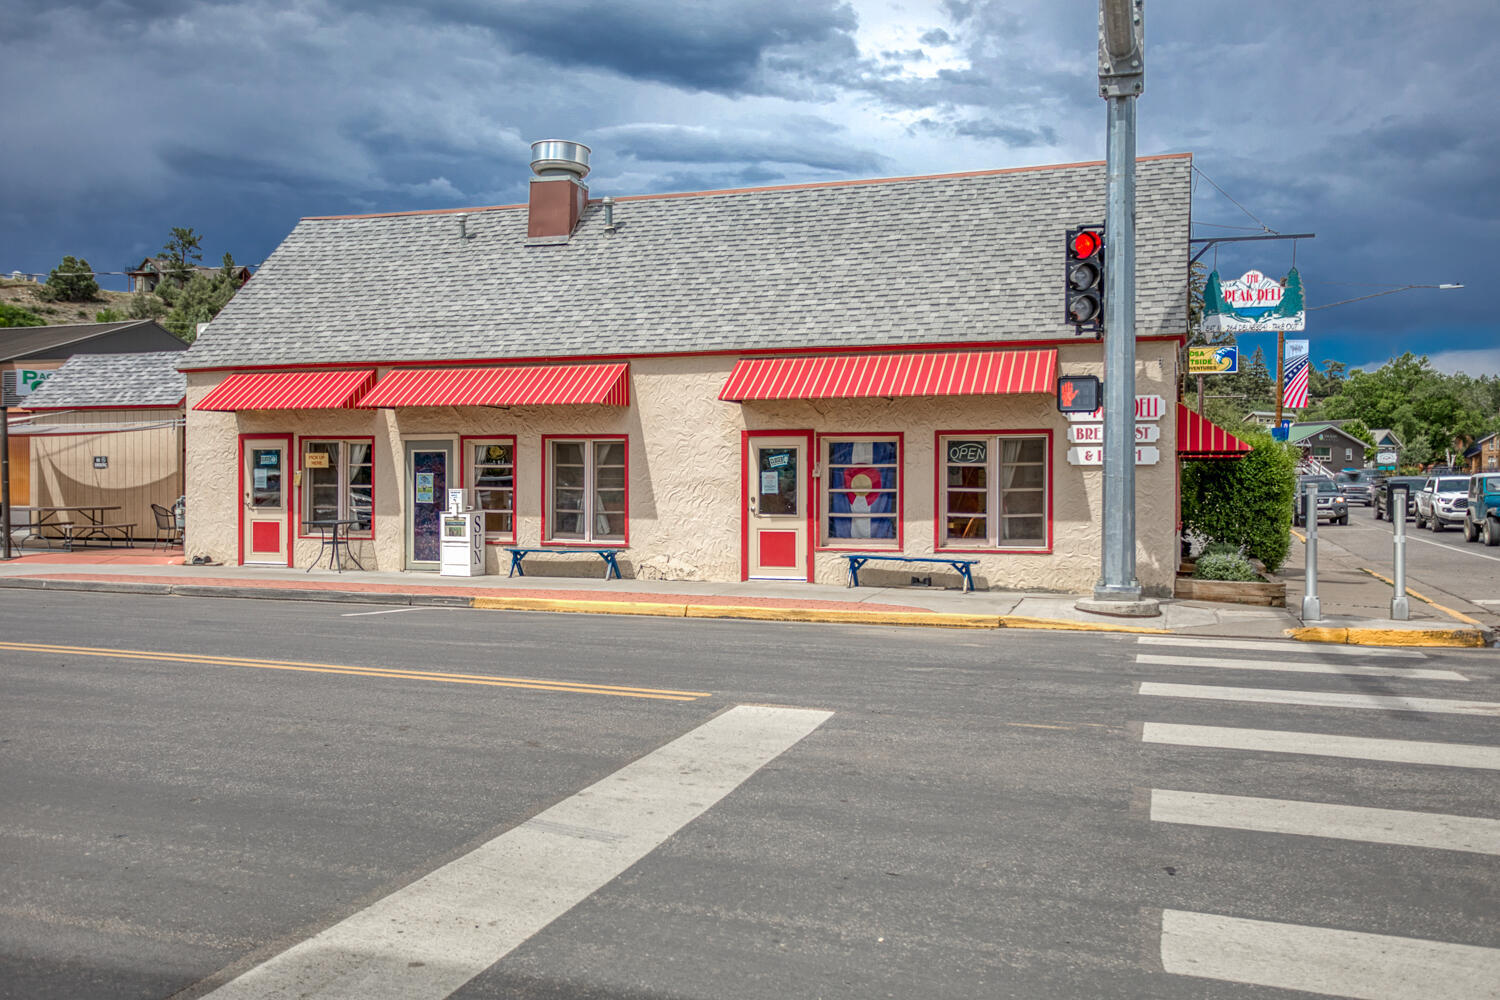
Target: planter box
[1262,592]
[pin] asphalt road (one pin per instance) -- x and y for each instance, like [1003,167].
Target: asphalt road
[1439,561]
[190,788]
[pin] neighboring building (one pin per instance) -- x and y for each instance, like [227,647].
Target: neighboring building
[1261,418]
[719,385]
[1388,448]
[150,272]
[1483,455]
[35,352]
[1327,444]
[109,429]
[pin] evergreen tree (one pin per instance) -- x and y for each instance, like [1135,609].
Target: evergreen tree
[182,252]
[70,281]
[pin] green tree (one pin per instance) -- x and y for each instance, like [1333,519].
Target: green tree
[108,316]
[146,305]
[199,300]
[1246,502]
[182,252]
[16,316]
[70,281]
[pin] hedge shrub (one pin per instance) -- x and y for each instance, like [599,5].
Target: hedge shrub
[1246,502]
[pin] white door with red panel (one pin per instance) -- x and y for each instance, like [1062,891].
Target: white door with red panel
[265,486]
[777,518]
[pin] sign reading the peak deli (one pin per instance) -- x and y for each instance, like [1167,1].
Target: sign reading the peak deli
[1087,431]
[1222,360]
[1253,302]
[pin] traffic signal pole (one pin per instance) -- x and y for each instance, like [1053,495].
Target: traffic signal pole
[1121,79]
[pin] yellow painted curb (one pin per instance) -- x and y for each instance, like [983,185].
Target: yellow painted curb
[1466,638]
[580,607]
[1064,625]
[1448,611]
[835,615]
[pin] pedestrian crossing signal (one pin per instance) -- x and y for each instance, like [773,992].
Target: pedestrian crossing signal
[1079,393]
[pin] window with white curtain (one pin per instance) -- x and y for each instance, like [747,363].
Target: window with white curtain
[993,491]
[586,495]
[338,482]
[491,471]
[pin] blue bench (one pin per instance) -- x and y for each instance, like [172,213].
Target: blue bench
[965,567]
[611,568]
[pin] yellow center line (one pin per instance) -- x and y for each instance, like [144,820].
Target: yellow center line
[394,673]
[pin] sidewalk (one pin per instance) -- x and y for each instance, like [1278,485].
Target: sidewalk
[1351,600]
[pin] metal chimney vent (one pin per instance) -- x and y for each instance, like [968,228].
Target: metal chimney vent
[559,158]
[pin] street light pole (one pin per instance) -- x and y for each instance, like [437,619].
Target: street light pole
[1121,79]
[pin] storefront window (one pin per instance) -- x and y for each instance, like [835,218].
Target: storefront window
[587,495]
[993,491]
[338,482]
[861,486]
[491,472]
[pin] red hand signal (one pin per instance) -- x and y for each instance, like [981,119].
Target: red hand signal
[1068,393]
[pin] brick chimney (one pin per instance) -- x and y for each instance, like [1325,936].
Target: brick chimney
[558,192]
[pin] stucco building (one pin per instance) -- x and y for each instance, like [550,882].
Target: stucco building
[717,385]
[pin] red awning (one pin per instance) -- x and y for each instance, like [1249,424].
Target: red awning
[972,373]
[289,391]
[1198,438]
[535,385]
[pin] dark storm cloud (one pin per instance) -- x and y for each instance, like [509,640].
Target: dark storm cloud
[673,144]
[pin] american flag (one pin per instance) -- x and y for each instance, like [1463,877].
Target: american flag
[1294,396]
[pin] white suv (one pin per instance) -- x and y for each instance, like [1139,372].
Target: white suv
[1442,501]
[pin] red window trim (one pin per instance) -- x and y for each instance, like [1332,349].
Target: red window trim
[498,538]
[291,508]
[547,439]
[302,439]
[853,543]
[940,463]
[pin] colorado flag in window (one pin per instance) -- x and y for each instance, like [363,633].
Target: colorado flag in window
[861,486]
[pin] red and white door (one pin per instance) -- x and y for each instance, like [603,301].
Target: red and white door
[266,492]
[778,516]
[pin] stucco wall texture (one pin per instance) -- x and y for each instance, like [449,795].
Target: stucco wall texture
[685,461]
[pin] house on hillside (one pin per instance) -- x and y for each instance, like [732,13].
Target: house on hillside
[36,352]
[150,272]
[1483,455]
[1325,443]
[720,385]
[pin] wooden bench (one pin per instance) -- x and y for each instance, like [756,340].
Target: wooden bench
[965,567]
[611,568]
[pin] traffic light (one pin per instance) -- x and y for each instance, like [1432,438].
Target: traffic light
[1085,279]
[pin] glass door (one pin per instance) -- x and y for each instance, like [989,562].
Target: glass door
[427,464]
[265,536]
[776,521]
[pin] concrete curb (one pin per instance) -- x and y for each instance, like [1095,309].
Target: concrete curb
[1466,638]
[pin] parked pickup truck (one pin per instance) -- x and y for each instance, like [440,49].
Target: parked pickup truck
[1442,501]
[1482,519]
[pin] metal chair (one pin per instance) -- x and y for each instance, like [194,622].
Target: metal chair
[167,531]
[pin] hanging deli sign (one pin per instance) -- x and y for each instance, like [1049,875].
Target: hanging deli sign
[1253,303]
[1094,434]
[1222,360]
[1144,455]
[1146,408]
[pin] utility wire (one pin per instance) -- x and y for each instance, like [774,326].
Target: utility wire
[1242,208]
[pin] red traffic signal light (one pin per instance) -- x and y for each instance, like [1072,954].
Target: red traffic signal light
[1083,291]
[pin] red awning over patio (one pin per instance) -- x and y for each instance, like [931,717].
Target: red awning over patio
[1199,438]
[288,391]
[531,385]
[971,373]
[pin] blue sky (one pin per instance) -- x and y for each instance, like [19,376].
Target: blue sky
[1368,124]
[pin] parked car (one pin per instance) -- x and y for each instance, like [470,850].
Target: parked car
[1442,501]
[1332,507]
[1413,486]
[1357,486]
[1482,519]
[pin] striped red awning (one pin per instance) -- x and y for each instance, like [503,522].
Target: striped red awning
[1199,438]
[972,373]
[535,385]
[289,391]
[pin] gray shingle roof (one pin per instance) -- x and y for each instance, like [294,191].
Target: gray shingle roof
[949,259]
[63,338]
[113,380]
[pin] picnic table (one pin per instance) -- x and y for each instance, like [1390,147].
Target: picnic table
[49,523]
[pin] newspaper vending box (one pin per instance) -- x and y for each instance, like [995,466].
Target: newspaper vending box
[463,539]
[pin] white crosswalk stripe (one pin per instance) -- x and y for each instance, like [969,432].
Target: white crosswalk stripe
[1323,745]
[1299,667]
[1327,961]
[1324,960]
